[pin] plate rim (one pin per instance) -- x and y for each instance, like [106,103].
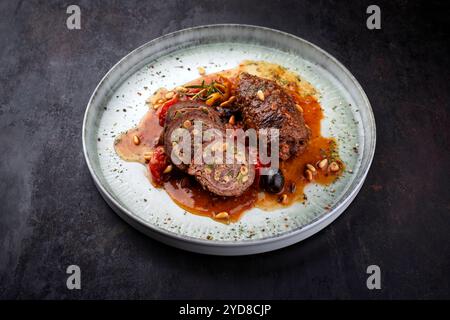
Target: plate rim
[223,247]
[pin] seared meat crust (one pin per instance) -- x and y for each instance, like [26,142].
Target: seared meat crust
[274,109]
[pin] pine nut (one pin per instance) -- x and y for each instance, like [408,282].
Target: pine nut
[322,164]
[283,199]
[229,101]
[156,106]
[308,175]
[168,169]
[260,95]
[201,70]
[299,108]
[222,215]
[334,167]
[169,95]
[311,168]
[232,120]
[187,124]
[136,140]
[148,155]
[153,99]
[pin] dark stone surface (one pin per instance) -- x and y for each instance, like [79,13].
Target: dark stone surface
[52,215]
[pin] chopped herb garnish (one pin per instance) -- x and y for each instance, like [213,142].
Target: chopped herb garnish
[206,90]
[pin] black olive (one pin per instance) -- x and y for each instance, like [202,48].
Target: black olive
[273,182]
[225,113]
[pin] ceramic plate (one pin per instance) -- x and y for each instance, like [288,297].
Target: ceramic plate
[118,103]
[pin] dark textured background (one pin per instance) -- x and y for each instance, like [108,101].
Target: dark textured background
[52,215]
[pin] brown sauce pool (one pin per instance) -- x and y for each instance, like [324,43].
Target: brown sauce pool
[190,196]
[319,147]
[148,132]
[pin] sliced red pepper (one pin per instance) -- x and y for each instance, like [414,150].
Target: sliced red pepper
[165,108]
[157,165]
[194,90]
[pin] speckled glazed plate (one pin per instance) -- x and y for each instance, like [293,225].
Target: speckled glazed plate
[118,103]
